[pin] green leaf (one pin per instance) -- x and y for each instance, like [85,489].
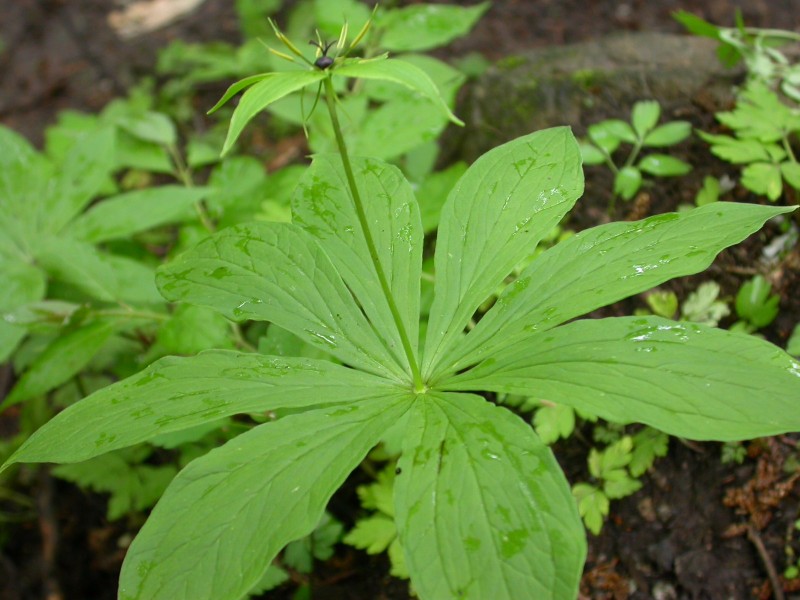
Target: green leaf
[149,126]
[756,303]
[426,26]
[47,316]
[618,484]
[241,188]
[668,134]
[21,165]
[593,506]
[615,128]
[606,264]
[398,71]
[273,482]
[200,433]
[645,116]
[760,115]
[497,213]
[663,304]
[397,557]
[696,25]
[703,305]
[791,173]
[763,178]
[323,206]
[793,345]
[127,214]
[80,176]
[613,458]
[138,154]
[483,509]
[60,138]
[201,151]
[387,131]
[710,192]
[300,554]
[647,445]
[433,192]
[663,165]
[61,360]
[103,276]
[238,87]
[728,54]
[380,494]
[133,487]
[322,139]
[280,342]
[272,578]
[178,393]
[627,182]
[40,196]
[278,272]
[591,154]
[448,80]
[605,135]
[554,421]
[23,283]
[192,329]
[419,162]
[263,93]
[735,150]
[686,379]
[330,15]
[373,534]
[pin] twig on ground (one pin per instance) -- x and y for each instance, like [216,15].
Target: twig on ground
[772,573]
[48,529]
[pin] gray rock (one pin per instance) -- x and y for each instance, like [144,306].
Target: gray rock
[584,83]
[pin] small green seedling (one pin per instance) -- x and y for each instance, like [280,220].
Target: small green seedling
[378,533]
[643,131]
[661,303]
[710,192]
[615,472]
[756,305]
[705,306]
[764,129]
[701,306]
[299,556]
[132,484]
[792,570]
[733,452]
[756,46]
[553,421]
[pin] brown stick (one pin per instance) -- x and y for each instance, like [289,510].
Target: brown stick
[48,529]
[775,581]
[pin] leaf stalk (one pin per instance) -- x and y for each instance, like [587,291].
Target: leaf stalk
[330,97]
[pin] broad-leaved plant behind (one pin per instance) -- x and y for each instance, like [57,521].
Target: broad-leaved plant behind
[482,508]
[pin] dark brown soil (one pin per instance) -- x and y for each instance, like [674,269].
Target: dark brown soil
[697,530]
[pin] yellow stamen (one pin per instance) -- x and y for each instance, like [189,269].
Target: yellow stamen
[342,38]
[364,29]
[282,55]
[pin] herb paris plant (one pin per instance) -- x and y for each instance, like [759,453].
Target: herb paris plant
[481,507]
[642,132]
[757,47]
[764,129]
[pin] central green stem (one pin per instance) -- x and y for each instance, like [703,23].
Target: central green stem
[330,97]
